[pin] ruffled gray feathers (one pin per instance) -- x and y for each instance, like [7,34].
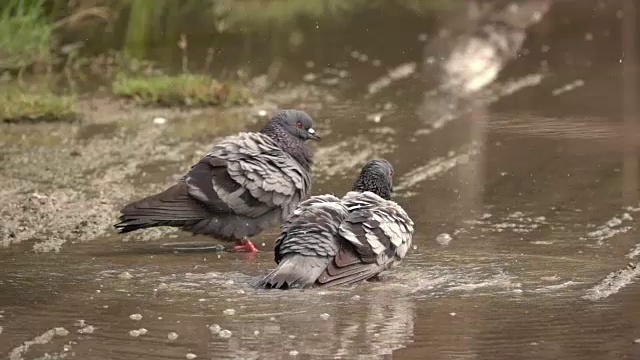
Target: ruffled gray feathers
[245,184]
[329,241]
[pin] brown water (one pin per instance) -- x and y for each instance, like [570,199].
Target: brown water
[534,176]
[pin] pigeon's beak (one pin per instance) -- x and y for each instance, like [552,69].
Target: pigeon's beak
[312,134]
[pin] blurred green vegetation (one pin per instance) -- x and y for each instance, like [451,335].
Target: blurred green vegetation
[21,103]
[25,34]
[28,27]
[56,35]
[187,90]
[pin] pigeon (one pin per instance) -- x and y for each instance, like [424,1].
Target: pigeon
[243,185]
[328,241]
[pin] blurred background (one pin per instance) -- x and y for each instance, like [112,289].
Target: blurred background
[512,126]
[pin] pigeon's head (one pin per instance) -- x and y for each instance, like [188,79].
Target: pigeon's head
[297,122]
[376,176]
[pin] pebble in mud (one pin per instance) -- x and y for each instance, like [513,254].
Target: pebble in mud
[443,239]
[324,316]
[134,333]
[636,341]
[224,334]
[159,120]
[136,317]
[172,336]
[294,352]
[191,356]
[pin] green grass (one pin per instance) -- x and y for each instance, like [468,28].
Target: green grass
[19,104]
[25,34]
[187,90]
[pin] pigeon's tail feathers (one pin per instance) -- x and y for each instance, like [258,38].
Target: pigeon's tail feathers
[172,207]
[295,271]
[126,226]
[348,268]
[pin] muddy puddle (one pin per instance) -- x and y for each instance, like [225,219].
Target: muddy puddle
[515,137]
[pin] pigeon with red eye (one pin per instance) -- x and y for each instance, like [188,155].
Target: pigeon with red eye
[243,185]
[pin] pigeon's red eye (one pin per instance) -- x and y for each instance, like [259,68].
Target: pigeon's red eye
[299,125]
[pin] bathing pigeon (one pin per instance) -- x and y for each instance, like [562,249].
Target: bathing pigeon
[246,183]
[329,241]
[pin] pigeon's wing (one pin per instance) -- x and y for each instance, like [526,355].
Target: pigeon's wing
[306,209]
[307,243]
[248,175]
[376,234]
[312,228]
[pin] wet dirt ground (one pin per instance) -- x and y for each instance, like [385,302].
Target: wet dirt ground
[532,173]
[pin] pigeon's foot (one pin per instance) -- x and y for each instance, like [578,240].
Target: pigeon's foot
[245,245]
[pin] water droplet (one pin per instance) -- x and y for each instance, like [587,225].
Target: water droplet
[60,331]
[614,222]
[125,275]
[443,239]
[215,328]
[89,329]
